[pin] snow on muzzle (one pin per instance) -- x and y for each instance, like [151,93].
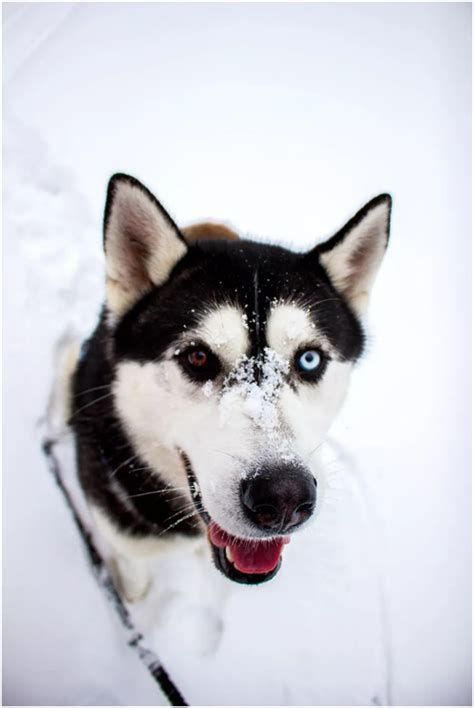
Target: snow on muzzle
[275,496]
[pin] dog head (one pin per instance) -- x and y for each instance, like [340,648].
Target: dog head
[234,357]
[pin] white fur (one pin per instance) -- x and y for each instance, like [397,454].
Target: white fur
[225,332]
[219,428]
[289,327]
[129,562]
[130,546]
[59,410]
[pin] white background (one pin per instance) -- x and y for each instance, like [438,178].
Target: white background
[281,119]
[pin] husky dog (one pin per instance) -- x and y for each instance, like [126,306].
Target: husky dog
[216,369]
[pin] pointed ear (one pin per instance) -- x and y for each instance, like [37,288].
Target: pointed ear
[141,241]
[352,257]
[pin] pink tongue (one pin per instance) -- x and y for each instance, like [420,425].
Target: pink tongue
[248,556]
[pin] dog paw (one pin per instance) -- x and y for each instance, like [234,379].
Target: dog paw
[131,578]
[134,591]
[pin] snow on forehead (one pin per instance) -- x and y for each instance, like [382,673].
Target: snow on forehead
[225,331]
[288,326]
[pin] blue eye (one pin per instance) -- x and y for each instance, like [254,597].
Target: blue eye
[308,361]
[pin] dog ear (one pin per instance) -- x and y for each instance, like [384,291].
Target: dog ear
[352,257]
[141,241]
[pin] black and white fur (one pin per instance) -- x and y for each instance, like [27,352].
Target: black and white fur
[160,454]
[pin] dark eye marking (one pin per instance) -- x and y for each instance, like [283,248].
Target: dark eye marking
[199,363]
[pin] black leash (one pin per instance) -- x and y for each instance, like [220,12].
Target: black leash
[104,579]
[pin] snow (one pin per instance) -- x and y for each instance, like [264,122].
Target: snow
[283,119]
[208,389]
[259,399]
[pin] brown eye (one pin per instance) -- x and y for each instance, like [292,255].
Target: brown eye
[197,358]
[199,363]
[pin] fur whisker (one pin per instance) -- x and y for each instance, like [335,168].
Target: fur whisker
[91,403]
[156,491]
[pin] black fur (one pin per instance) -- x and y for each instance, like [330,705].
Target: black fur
[111,474]
[243,273]
[220,272]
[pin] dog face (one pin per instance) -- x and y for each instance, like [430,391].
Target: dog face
[231,361]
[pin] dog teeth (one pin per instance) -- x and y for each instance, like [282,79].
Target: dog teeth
[228,554]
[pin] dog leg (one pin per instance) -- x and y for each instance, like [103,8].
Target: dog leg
[132,577]
[66,356]
[128,557]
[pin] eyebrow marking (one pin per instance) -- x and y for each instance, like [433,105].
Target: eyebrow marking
[222,330]
[290,326]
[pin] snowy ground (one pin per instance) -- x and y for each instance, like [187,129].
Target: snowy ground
[281,119]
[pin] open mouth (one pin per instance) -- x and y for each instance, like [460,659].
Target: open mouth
[244,560]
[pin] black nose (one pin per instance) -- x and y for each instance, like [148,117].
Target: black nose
[279,499]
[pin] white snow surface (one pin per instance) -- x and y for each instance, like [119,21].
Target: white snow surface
[281,119]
